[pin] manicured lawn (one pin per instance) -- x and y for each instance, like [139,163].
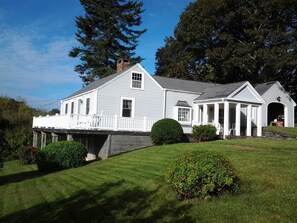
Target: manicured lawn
[131,188]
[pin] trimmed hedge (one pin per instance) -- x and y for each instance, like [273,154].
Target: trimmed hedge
[61,155]
[166,131]
[201,175]
[204,132]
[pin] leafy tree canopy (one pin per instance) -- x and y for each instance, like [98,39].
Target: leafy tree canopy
[106,33]
[15,126]
[234,40]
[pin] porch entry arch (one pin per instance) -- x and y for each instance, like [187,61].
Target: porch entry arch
[274,110]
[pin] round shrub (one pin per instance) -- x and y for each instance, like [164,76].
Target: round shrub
[204,133]
[61,155]
[201,175]
[166,131]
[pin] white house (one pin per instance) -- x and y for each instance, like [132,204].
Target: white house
[132,101]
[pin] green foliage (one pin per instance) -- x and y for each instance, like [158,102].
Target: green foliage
[27,155]
[201,175]
[166,131]
[204,132]
[106,34]
[15,126]
[61,155]
[235,40]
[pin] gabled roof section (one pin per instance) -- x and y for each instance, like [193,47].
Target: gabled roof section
[182,85]
[221,91]
[98,83]
[94,85]
[262,88]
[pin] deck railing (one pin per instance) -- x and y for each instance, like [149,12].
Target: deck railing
[94,122]
[105,123]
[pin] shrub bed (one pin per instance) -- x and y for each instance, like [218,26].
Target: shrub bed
[166,131]
[201,175]
[27,155]
[204,132]
[61,155]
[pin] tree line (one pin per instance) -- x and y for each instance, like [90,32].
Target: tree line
[15,126]
[214,41]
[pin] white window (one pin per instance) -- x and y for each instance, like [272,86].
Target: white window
[66,108]
[127,107]
[87,106]
[184,115]
[137,80]
[72,108]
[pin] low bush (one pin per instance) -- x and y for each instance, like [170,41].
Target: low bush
[61,155]
[166,131]
[204,132]
[201,175]
[27,155]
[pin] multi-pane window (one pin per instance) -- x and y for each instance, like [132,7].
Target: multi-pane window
[87,106]
[184,114]
[72,107]
[66,108]
[137,80]
[127,108]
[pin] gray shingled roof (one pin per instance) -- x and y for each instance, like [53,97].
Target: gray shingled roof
[94,85]
[221,91]
[184,85]
[262,88]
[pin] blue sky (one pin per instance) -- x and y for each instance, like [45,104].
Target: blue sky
[36,36]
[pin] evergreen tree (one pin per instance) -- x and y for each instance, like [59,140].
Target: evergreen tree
[234,40]
[106,33]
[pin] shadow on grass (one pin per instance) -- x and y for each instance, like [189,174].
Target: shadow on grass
[18,177]
[108,203]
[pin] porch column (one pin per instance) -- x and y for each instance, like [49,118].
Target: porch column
[54,137]
[259,121]
[35,139]
[69,137]
[200,114]
[286,113]
[205,114]
[237,119]
[249,121]
[216,117]
[43,140]
[226,118]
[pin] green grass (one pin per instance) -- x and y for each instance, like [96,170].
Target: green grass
[291,132]
[131,188]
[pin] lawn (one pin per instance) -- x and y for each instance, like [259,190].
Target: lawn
[131,188]
[291,132]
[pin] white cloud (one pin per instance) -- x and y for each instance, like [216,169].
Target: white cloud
[29,60]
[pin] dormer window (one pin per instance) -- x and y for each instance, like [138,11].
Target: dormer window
[137,80]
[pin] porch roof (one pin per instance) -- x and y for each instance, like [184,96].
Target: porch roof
[221,91]
[262,88]
[183,85]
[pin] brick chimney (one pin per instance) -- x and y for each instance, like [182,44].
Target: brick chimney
[122,65]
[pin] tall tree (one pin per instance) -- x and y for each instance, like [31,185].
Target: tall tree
[234,40]
[106,33]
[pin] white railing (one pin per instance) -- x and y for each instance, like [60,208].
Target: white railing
[94,122]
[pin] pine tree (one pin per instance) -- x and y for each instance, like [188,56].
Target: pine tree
[234,40]
[106,33]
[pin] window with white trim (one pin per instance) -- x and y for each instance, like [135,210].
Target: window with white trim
[72,108]
[66,108]
[127,107]
[87,106]
[184,115]
[137,80]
